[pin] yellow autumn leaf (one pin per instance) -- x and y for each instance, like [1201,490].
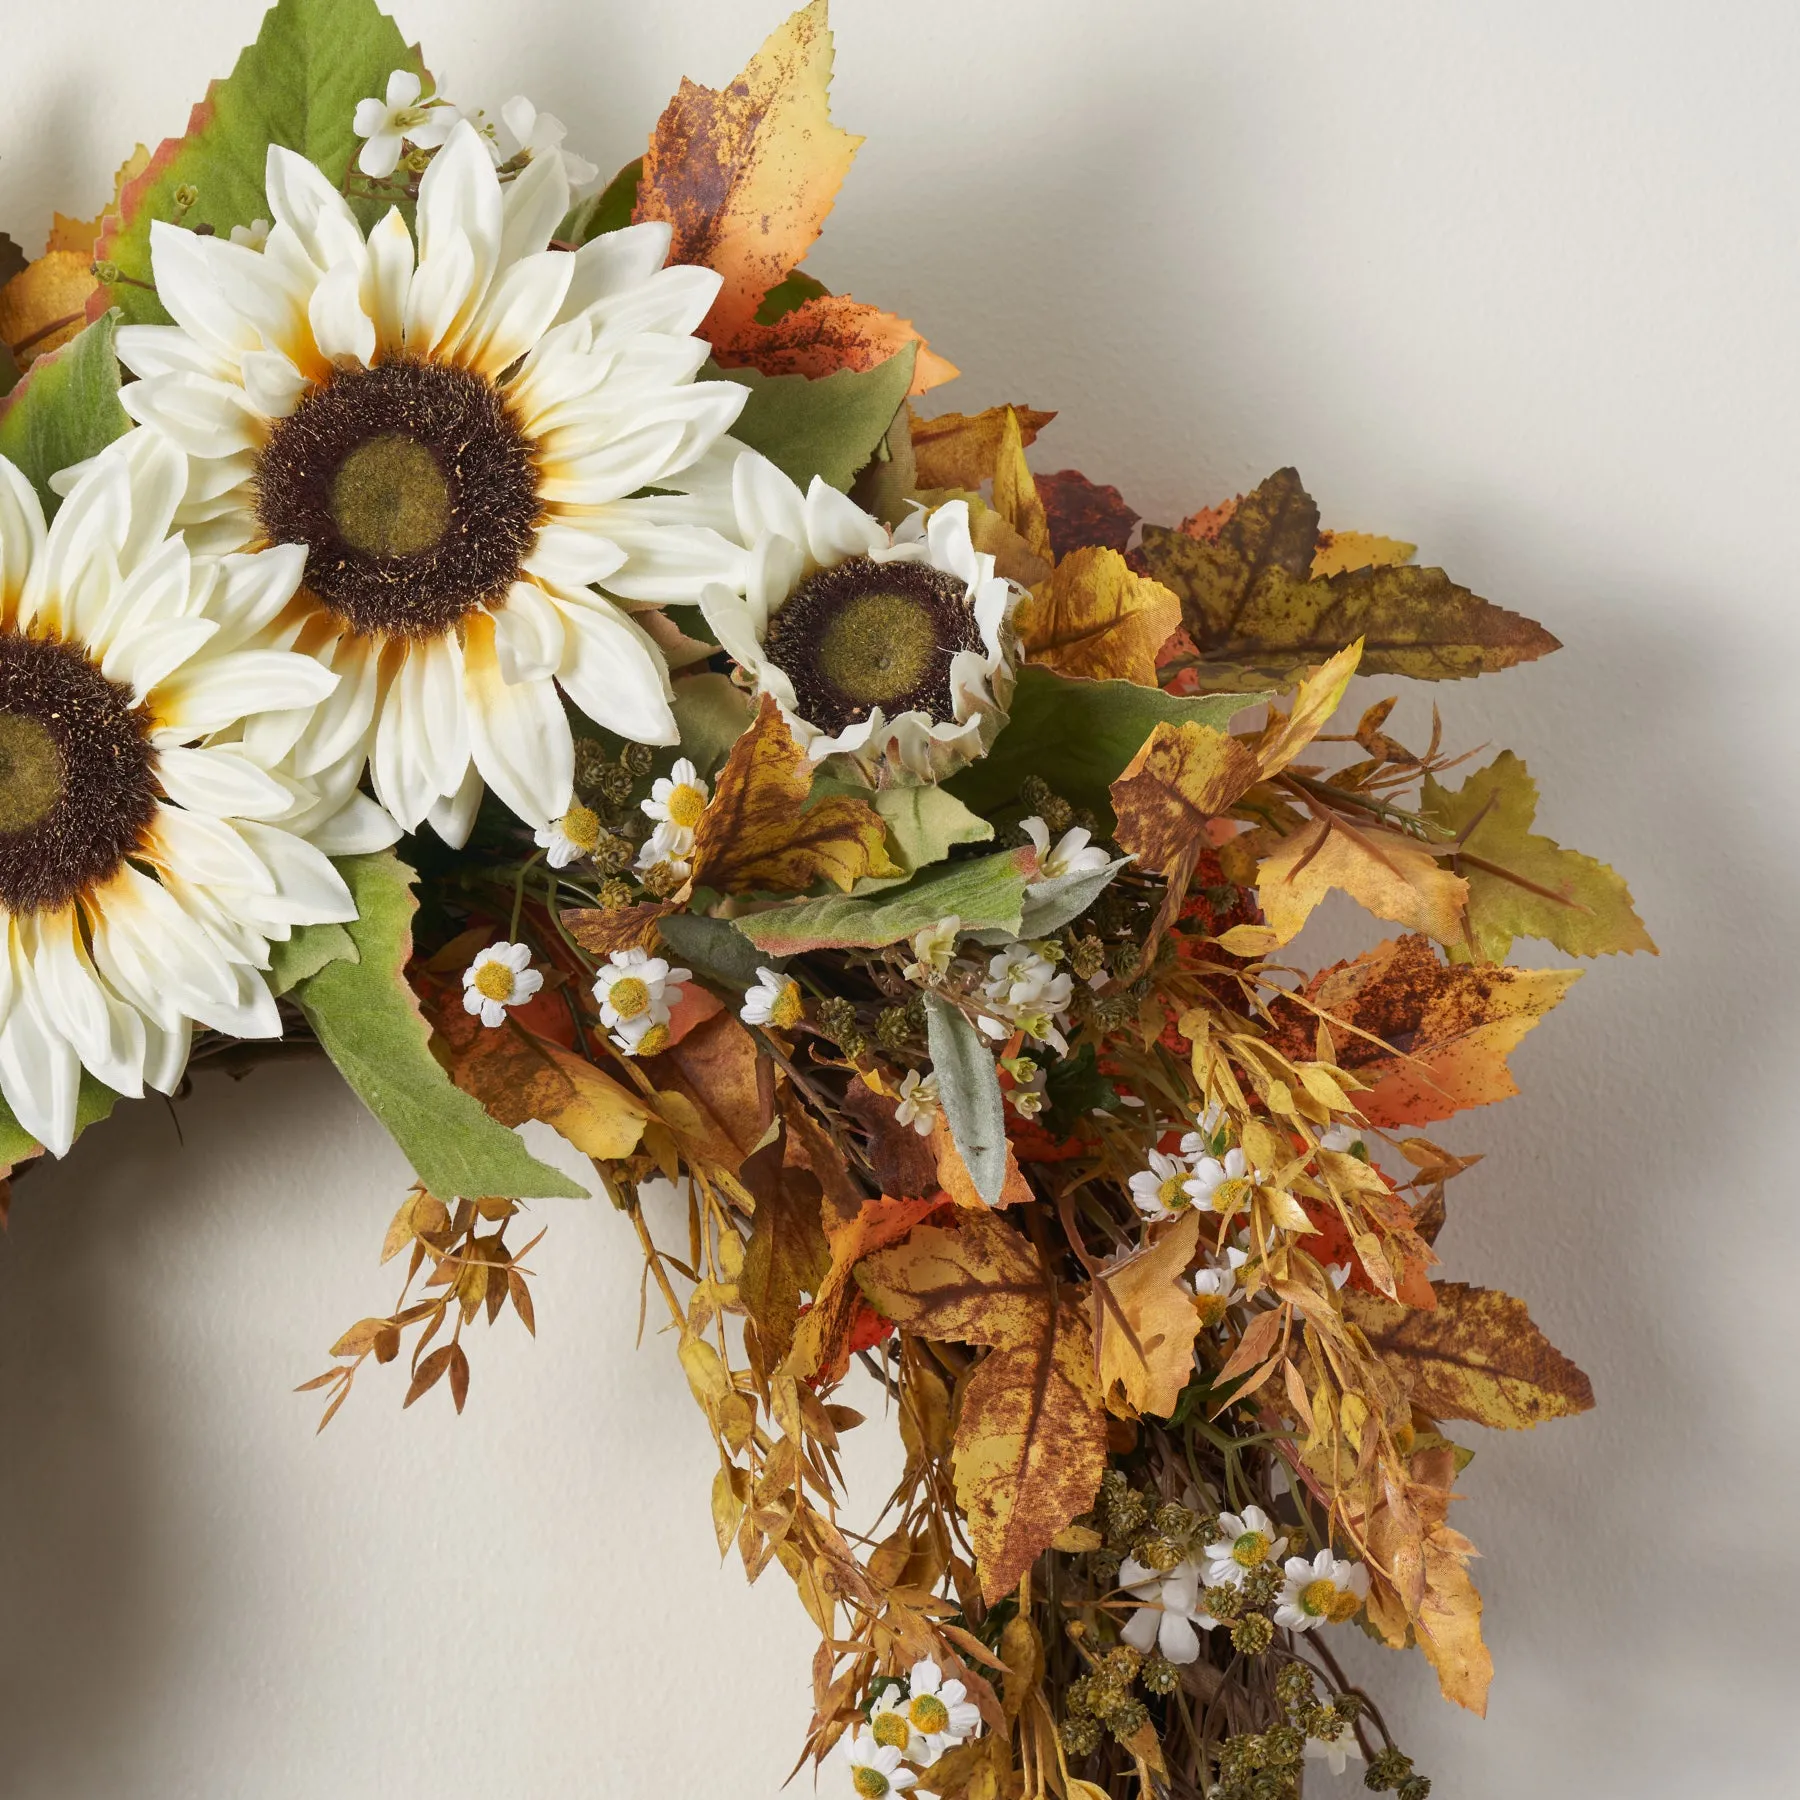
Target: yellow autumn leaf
[758,832]
[1477,1355]
[517,1077]
[45,304]
[960,450]
[1395,877]
[1095,617]
[1015,493]
[1148,1289]
[1338,552]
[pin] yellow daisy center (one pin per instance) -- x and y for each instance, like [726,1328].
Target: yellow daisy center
[581,826]
[494,981]
[1251,1549]
[1173,1196]
[1211,1307]
[870,1783]
[929,1714]
[1344,1607]
[653,1041]
[685,805]
[629,997]
[786,1010]
[891,1728]
[1231,1195]
[1318,1597]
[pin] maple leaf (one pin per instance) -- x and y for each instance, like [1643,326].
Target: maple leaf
[1082,512]
[1475,1356]
[744,177]
[517,1076]
[759,833]
[1094,617]
[1158,1306]
[1394,876]
[1015,492]
[1186,775]
[715,1091]
[1256,613]
[821,1341]
[1442,1032]
[787,1255]
[959,450]
[1031,1440]
[1337,552]
[1493,811]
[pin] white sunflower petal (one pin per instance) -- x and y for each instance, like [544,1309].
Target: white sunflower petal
[303,200]
[343,332]
[217,691]
[613,671]
[40,1073]
[223,781]
[528,634]
[389,278]
[519,733]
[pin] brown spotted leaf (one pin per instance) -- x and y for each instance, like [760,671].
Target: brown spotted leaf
[602,930]
[517,1076]
[1149,1290]
[1082,512]
[787,1255]
[715,1091]
[821,1343]
[758,833]
[1476,1356]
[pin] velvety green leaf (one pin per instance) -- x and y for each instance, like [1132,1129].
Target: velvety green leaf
[1078,735]
[986,891]
[711,713]
[297,86]
[306,953]
[365,1016]
[968,1084]
[829,426]
[1256,616]
[1050,905]
[714,948]
[64,410]
[608,210]
[923,823]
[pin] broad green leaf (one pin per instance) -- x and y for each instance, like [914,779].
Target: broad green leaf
[1256,615]
[365,1016]
[297,86]
[64,410]
[1050,905]
[93,1103]
[986,891]
[829,426]
[711,713]
[968,1086]
[608,210]
[1078,735]
[306,953]
[1495,806]
[923,823]
[714,948]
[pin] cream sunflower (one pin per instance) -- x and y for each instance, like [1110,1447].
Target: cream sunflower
[448,428]
[145,866]
[889,651]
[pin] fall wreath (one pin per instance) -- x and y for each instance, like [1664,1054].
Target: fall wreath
[514,633]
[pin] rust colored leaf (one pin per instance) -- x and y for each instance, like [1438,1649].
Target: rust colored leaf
[1094,617]
[821,1343]
[429,1373]
[960,450]
[517,1076]
[787,1256]
[809,1146]
[954,1177]
[715,1091]
[1476,1356]
[1082,512]
[1442,1032]
[903,1162]
[604,930]
[832,332]
[1159,1307]
[759,833]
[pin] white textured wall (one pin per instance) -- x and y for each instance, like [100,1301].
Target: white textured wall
[1520,283]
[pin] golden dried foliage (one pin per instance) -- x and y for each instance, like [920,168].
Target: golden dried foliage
[1095,617]
[960,450]
[1147,1322]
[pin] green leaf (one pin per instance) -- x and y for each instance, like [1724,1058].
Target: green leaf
[1256,616]
[297,86]
[1496,806]
[986,891]
[968,1087]
[1075,1087]
[711,713]
[829,426]
[370,1025]
[64,409]
[1050,905]
[93,1103]
[1078,735]
[608,210]
[923,823]
[306,953]
[788,296]
[714,948]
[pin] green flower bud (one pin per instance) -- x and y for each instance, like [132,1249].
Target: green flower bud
[1253,1633]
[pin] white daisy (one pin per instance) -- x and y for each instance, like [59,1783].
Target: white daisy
[1342,1139]
[534,134]
[450,429]
[1164,1189]
[926,1717]
[1327,1590]
[1249,1541]
[387,125]
[875,1770]
[919,1103]
[1216,1286]
[933,948]
[667,844]
[1073,855]
[145,864]
[891,651]
[774,1001]
[636,993]
[501,976]
[575,835]
[1336,1750]
[1024,991]
[678,798]
[1200,1141]
[1171,1609]
[1223,1184]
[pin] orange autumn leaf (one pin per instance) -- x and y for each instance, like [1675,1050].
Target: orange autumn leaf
[1149,1290]
[715,1090]
[517,1077]
[759,833]
[1095,617]
[821,1340]
[744,177]
[1441,1033]
[960,450]
[45,304]
[603,930]
[1015,492]
[954,1177]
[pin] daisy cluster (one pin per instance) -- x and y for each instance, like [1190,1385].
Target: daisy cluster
[910,1722]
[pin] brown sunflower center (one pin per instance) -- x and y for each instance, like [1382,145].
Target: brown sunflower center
[865,634]
[413,490]
[77,775]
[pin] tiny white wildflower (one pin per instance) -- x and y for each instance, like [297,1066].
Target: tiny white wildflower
[775,1000]
[667,844]
[501,976]
[636,993]
[1074,853]
[576,834]
[1223,1184]
[678,798]
[919,1103]
[875,1770]
[1327,1590]
[386,125]
[254,236]
[1248,1543]
[536,134]
[925,1718]
[1165,1188]
[1171,1609]
[933,948]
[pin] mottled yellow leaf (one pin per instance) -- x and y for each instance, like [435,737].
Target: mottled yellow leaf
[1337,552]
[1149,1290]
[1015,493]
[1095,617]
[45,304]
[1393,876]
[960,450]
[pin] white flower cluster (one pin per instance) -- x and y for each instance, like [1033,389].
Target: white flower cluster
[1203,1174]
[676,802]
[1024,991]
[911,1723]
